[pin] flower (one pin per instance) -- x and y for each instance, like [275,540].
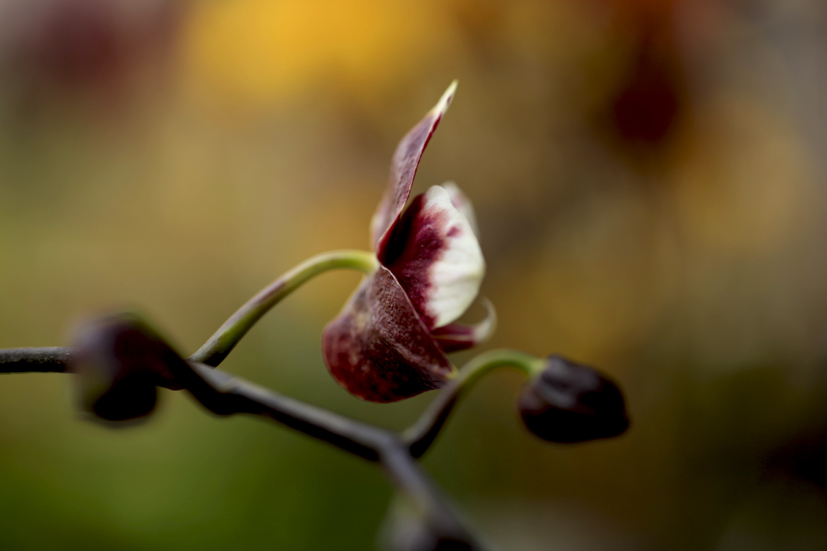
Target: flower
[390,340]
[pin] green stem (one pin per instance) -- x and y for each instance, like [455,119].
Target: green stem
[421,435]
[228,335]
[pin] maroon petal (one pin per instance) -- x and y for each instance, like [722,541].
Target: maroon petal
[456,336]
[403,169]
[378,349]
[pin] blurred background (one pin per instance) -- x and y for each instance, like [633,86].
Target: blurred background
[651,186]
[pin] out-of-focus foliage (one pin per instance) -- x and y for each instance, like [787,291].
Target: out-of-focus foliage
[649,179]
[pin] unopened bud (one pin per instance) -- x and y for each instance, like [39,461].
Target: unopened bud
[119,361]
[569,402]
[408,528]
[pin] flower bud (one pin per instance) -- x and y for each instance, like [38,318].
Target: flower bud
[569,402]
[119,360]
[408,528]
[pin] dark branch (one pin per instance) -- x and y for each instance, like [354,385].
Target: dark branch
[225,395]
[38,360]
[422,434]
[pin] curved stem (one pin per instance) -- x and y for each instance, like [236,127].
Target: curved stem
[52,359]
[228,335]
[422,434]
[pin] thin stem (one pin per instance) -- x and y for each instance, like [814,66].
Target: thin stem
[228,335]
[422,434]
[53,359]
[226,395]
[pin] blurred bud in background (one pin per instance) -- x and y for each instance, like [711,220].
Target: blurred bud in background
[119,361]
[648,103]
[408,528]
[99,50]
[646,99]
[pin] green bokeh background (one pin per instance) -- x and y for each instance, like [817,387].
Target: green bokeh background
[649,181]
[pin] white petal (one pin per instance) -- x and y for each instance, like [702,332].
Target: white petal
[463,204]
[435,257]
[455,277]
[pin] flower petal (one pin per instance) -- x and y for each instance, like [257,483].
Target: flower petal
[463,204]
[378,349]
[403,169]
[456,336]
[436,258]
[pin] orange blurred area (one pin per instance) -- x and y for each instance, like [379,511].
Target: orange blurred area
[259,52]
[649,181]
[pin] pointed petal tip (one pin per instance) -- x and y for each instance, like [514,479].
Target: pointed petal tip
[403,169]
[445,101]
[488,325]
[456,337]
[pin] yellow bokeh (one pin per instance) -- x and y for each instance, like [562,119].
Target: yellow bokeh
[262,51]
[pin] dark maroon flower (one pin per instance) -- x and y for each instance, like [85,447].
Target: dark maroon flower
[390,340]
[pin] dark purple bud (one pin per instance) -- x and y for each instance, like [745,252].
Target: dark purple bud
[119,361]
[569,402]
